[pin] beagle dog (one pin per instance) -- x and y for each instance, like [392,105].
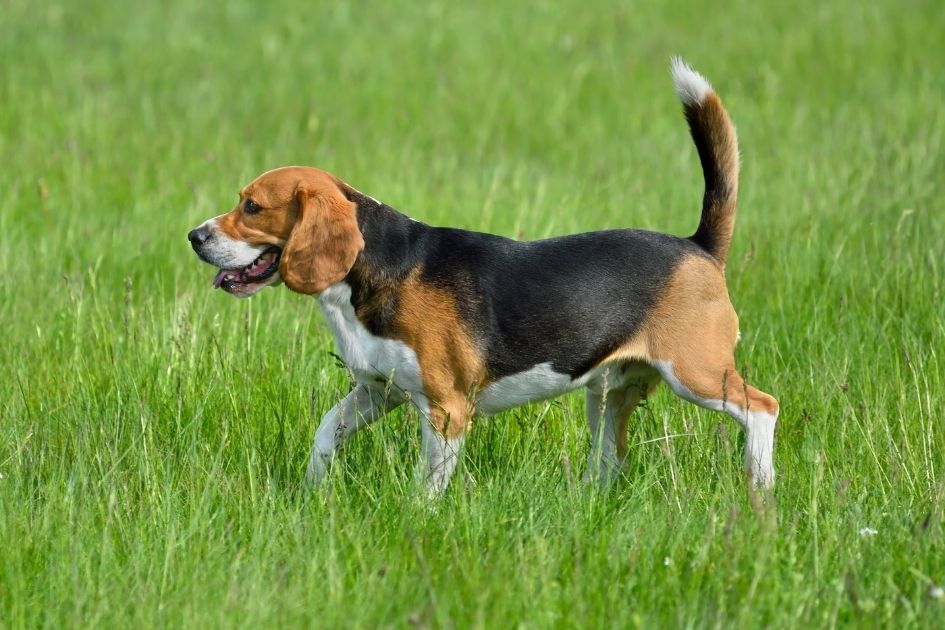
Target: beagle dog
[461,323]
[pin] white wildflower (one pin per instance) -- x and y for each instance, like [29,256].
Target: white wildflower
[667,561]
[936,592]
[867,532]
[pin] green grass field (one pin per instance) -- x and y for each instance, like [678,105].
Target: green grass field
[154,433]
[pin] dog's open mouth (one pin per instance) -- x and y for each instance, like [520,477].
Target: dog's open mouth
[250,278]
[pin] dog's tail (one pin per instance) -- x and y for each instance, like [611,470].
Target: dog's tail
[715,139]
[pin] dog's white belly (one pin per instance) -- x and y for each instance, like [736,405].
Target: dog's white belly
[373,360]
[538,383]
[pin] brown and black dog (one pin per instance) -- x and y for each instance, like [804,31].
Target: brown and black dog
[460,323]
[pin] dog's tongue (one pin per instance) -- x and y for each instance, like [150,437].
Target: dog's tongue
[218,279]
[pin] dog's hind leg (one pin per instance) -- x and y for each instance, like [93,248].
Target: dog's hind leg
[691,342]
[609,407]
[359,408]
[721,388]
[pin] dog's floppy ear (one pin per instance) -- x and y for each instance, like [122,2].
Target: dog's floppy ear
[324,242]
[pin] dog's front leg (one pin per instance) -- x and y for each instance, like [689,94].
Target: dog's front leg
[442,437]
[362,406]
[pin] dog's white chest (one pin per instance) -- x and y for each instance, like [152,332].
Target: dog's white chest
[374,360]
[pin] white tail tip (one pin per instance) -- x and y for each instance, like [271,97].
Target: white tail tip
[691,87]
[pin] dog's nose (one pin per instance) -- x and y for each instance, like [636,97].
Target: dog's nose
[198,237]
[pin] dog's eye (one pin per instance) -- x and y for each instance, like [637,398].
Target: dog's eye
[251,207]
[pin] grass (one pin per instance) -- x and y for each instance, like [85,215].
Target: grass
[154,433]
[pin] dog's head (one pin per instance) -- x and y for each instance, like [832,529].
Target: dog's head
[293,224]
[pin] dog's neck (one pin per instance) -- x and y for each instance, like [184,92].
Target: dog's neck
[389,254]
